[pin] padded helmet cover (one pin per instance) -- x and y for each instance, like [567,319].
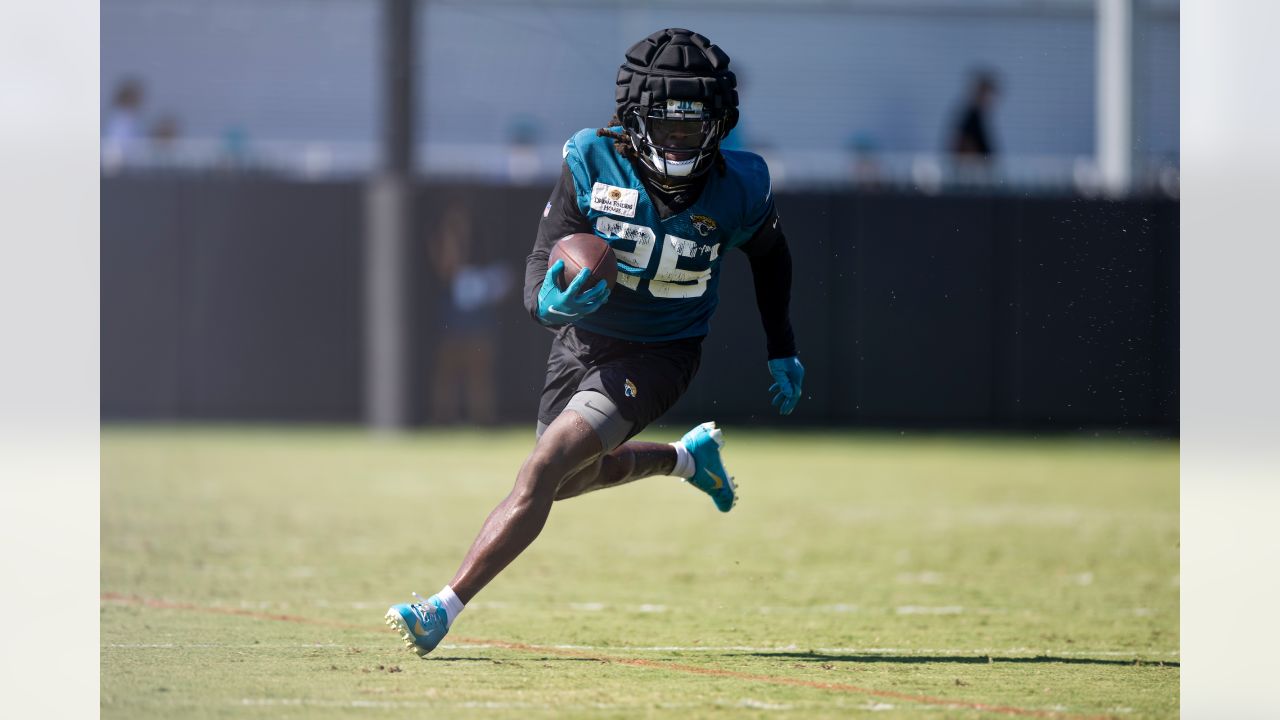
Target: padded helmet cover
[677,64]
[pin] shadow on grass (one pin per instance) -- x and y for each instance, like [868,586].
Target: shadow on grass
[517,662]
[956,659]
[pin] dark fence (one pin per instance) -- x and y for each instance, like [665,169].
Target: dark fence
[238,298]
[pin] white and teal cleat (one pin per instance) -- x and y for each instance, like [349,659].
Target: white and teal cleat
[710,476]
[422,625]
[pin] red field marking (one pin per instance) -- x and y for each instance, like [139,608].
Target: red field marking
[170,605]
[633,662]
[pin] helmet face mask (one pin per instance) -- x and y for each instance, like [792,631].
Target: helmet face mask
[675,141]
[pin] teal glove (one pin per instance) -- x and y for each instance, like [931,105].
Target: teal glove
[788,377]
[558,307]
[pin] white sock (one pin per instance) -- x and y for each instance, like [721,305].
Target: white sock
[452,603]
[684,462]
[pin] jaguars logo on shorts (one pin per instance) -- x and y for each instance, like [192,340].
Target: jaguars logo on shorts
[703,224]
[629,388]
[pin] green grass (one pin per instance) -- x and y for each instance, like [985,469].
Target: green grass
[1036,574]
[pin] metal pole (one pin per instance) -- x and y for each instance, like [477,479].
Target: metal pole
[387,226]
[398,69]
[1114,88]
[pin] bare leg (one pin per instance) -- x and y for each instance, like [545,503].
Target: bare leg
[564,448]
[628,463]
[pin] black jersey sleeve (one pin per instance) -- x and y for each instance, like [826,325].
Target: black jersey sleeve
[561,217]
[771,272]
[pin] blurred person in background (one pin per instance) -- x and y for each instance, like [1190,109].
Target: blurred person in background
[864,161]
[462,380]
[233,150]
[522,151]
[972,145]
[122,131]
[163,135]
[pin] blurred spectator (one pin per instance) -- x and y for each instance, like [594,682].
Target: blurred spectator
[122,126]
[864,165]
[462,383]
[164,139]
[522,153]
[234,152]
[164,131]
[971,136]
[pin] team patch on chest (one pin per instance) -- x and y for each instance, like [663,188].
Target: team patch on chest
[614,200]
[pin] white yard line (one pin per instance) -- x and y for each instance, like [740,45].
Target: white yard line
[185,646]
[927,610]
[596,606]
[471,704]
[761,705]
[957,652]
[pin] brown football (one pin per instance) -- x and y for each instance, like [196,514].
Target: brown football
[584,250]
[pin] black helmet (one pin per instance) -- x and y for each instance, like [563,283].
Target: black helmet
[677,99]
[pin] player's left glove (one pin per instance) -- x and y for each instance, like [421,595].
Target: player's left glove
[788,378]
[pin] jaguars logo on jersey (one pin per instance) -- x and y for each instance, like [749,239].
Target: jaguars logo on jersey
[703,224]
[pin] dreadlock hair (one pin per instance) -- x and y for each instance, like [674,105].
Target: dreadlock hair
[623,144]
[620,141]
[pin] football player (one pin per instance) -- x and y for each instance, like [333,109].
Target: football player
[670,202]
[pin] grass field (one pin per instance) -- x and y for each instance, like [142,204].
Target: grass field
[245,573]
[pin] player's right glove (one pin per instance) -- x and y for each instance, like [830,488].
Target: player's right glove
[558,307]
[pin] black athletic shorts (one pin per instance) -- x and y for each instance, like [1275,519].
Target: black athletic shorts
[643,379]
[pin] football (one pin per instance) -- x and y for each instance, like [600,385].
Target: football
[585,250]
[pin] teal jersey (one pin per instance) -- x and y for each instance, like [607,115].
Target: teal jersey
[668,269]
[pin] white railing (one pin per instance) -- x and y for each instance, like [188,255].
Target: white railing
[791,168]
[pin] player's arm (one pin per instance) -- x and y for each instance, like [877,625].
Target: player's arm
[543,299]
[771,272]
